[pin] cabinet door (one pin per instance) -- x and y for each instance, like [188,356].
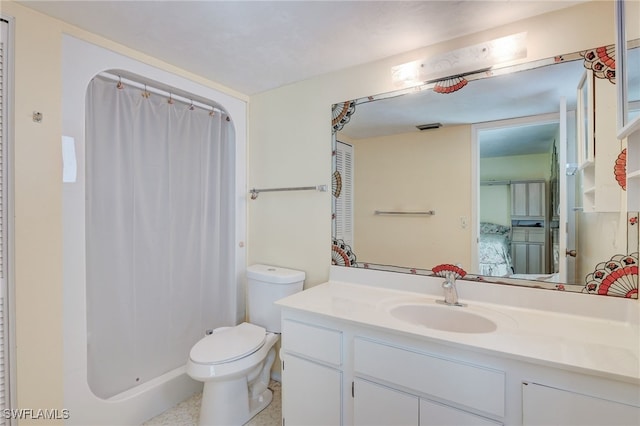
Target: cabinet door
[535,259]
[519,199]
[311,393]
[543,405]
[434,414]
[528,199]
[535,199]
[528,258]
[377,405]
[519,257]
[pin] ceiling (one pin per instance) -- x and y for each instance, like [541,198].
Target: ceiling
[532,92]
[254,46]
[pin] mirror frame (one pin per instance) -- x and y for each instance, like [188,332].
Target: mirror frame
[594,283]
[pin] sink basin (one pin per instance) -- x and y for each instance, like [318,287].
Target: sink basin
[446,318]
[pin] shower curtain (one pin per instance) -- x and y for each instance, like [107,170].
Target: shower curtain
[159,232]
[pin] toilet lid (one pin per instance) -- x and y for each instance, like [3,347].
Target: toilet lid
[228,344]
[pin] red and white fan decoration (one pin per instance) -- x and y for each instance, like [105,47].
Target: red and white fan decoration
[447,268]
[615,277]
[602,61]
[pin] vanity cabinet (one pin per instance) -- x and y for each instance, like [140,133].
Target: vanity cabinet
[350,372]
[528,250]
[375,404]
[544,405]
[312,370]
[412,391]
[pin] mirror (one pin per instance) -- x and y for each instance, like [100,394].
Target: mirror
[628,32]
[487,182]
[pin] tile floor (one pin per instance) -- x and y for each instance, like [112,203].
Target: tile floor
[186,413]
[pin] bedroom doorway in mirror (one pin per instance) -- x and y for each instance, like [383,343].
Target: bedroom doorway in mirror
[520,213]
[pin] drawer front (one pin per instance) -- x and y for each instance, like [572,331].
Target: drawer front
[469,385]
[321,344]
[536,235]
[531,235]
[519,235]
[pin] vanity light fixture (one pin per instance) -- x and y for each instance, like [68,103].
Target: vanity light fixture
[461,61]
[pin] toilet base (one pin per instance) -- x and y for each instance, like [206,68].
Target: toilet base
[259,403]
[229,404]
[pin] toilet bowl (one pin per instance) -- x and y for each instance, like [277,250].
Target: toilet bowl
[235,362]
[235,365]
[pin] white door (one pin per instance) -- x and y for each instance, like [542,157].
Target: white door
[5,216]
[311,393]
[567,157]
[543,405]
[378,405]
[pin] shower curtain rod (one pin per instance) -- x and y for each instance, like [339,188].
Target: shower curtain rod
[151,89]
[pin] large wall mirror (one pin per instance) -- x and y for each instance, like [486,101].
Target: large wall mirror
[485,171]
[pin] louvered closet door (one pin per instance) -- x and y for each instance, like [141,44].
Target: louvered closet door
[4,370]
[344,203]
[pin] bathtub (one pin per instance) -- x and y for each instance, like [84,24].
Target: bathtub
[132,407]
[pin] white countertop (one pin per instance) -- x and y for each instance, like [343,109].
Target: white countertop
[603,347]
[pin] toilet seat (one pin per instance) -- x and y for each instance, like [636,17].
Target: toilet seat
[228,344]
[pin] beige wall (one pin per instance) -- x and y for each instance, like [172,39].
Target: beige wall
[516,167]
[426,170]
[38,199]
[495,200]
[288,142]
[289,135]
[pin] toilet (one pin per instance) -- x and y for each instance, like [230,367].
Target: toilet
[235,362]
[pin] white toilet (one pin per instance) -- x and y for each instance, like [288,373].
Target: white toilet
[235,362]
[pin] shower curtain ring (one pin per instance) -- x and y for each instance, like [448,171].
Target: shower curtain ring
[170,100]
[120,85]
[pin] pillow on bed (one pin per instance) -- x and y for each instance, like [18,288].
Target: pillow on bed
[493,228]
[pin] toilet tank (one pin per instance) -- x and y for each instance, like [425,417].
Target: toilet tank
[266,284]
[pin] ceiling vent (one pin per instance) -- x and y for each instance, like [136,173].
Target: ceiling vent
[429,126]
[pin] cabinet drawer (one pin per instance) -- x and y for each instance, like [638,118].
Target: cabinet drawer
[531,235]
[536,236]
[321,344]
[469,385]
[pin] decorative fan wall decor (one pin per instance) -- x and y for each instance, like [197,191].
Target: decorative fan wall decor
[336,184]
[615,277]
[602,61]
[341,254]
[341,114]
[620,169]
[445,268]
[450,85]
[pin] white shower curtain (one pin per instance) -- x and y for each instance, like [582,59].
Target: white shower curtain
[159,233]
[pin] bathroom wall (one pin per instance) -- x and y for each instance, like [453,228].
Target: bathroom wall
[426,170]
[38,200]
[289,134]
[495,200]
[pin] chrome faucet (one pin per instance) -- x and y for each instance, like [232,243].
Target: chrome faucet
[450,291]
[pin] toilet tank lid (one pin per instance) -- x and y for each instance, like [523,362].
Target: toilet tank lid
[274,274]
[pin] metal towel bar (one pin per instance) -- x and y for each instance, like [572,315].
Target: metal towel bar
[418,213]
[255,192]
